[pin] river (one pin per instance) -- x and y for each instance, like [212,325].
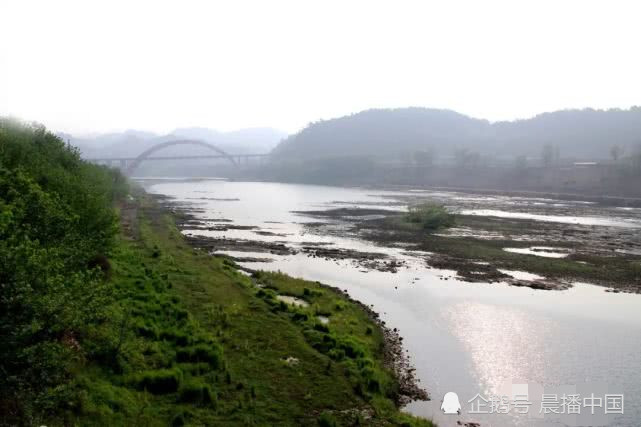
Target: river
[467,338]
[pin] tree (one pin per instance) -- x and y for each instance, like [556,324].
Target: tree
[547,155]
[616,152]
[636,158]
[520,162]
[423,157]
[465,158]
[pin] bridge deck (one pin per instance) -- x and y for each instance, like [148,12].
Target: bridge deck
[204,156]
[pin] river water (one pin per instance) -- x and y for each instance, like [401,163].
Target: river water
[467,338]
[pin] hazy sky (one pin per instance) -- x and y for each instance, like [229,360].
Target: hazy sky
[154,65]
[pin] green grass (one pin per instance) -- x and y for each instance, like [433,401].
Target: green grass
[607,270]
[191,341]
[612,271]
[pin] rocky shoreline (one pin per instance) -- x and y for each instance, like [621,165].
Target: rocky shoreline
[395,358]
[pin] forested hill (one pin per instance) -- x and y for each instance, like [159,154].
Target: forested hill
[396,132]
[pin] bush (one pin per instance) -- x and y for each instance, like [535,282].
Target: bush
[146,330]
[161,381]
[195,391]
[351,348]
[300,316]
[195,368]
[100,262]
[178,420]
[336,354]
[210,353]
[178,337]
[326,420]
[321,327]
[429,216]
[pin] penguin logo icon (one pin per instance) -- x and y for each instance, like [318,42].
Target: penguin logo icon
[451,403]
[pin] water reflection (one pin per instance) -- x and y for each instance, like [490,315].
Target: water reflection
[504,343]
[564,219]
[542,251]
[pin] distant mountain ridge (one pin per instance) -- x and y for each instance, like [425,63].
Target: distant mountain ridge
[577,134]
[132,142]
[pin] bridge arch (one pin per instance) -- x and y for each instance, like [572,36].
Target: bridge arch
[142,156]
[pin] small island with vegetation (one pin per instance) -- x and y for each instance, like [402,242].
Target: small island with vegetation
[428,217]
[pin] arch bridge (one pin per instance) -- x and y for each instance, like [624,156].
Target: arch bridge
[129,164]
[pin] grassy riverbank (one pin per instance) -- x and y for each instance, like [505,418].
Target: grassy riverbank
[200,343]
[109,317]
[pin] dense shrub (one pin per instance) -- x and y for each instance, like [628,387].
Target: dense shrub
[56,223]
[101,262]
[178,337]
[195,392]
[209,353]
[178,420]
[429,216]
[321,327]
[299,316]
[326,420]
[351,348]
[195,368]
[160,381]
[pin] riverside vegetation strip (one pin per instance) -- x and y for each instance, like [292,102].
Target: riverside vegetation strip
[174,335]
[279,364]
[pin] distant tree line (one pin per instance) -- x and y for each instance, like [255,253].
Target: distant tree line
[387,133]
